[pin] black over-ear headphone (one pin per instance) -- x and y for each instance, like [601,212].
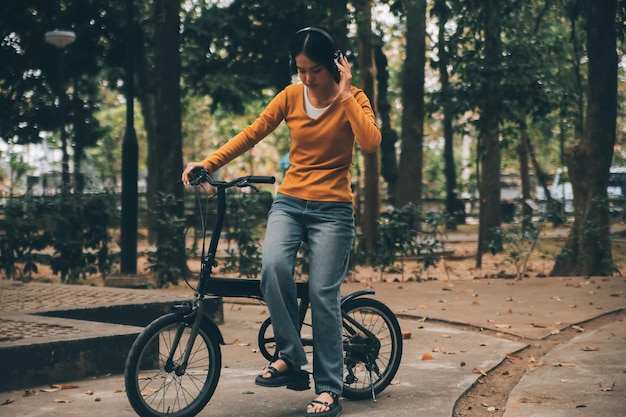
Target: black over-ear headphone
[333,43]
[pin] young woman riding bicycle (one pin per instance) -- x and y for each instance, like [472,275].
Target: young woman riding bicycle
[324,114]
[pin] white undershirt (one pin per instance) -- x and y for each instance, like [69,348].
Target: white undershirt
[313,112]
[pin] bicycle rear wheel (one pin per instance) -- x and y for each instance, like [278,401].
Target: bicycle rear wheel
[369,365]
[155,386]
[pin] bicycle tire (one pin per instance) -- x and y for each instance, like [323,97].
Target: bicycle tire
[153,388]
[377,318]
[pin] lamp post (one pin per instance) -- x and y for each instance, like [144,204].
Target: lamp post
[60,39]
[130,155]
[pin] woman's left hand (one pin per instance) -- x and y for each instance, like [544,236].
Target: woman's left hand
[345,77]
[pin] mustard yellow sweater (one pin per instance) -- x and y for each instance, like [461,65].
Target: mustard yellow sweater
[320,153]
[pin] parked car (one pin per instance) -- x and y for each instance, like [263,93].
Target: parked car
[561,189]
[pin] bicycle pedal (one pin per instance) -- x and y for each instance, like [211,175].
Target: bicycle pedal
[302,384]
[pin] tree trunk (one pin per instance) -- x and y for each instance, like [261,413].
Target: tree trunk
[367,70]
[522,153]
[388,163]
[146,94]
[454,207]
[168,156]
[488,140]
[409,188]
[588,247]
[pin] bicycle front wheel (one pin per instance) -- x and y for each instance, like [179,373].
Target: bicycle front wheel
[156,385]
[369,364]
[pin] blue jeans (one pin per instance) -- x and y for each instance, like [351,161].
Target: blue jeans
[328,229]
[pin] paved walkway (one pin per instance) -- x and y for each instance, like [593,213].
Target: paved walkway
[584,377]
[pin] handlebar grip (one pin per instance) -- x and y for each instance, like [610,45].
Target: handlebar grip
[198,176]
[255,179]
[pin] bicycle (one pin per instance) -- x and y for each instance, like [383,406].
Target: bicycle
[174,365]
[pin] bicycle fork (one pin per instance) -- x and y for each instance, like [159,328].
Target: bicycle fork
[198,309]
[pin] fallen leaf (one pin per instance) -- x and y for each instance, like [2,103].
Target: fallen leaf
[49,389]
[89,392]
[607,389]
[427,357]
[530,400]
[564,381]
[436,349]
[61,401]
[513,356]
[479,371]
[503,326]
[28,392]
[406,335]
[564,365]
[8,401]
[591,348]
[578,328]
[118,390]
[97,399]
[65,386]
[537,325]
[555,332]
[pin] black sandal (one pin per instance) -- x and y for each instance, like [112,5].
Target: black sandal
[334,408]
[294,379]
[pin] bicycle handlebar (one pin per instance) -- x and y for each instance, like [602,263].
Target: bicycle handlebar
[200,176]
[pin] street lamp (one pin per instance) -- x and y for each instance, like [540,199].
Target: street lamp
[60,39]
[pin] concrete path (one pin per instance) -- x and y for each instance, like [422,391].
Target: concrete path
[468,327]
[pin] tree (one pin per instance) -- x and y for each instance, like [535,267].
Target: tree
[446,99]
[489,157]
[367,72]
[588,247]
[409,187]
[36,78]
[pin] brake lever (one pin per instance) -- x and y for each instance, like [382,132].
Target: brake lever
[244,183]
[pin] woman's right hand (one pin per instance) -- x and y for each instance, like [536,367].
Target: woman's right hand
[191,166]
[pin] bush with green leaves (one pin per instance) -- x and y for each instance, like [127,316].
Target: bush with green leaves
[22,237]
[242,228]
[167,262]
[519,242]
[80,235]
[409,232]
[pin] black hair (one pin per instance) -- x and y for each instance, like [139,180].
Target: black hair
[318,45]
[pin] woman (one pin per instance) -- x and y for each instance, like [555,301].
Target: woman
[324,114]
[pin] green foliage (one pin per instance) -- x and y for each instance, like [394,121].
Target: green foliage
[409,232]
[80,225]
[166,262]
[247,212]
[21,237]
[519,242]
